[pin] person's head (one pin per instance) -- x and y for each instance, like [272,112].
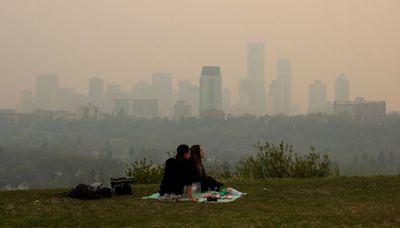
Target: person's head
[197,154]
[183,151]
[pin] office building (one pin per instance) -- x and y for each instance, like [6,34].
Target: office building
[210,90]
[317,99]
[342,90]
[360,109]
[252,87]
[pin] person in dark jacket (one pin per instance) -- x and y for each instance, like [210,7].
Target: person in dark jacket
[199,177]
[178,174]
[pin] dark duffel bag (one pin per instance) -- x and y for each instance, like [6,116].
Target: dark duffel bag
[121,185]
[87,192]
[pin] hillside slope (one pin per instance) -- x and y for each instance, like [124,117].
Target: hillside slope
[351,201]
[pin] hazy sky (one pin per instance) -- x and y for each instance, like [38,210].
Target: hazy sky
[126,40]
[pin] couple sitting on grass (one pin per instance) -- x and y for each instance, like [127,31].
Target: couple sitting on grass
[185,174]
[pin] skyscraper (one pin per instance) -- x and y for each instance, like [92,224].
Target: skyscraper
[284,72]
[162,87]
[342,89]
[46,88]
[210,90]
[317,99]
[252,88]
[256,61]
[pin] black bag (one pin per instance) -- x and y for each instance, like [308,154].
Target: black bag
[104,192]
[122,185]
[87,192]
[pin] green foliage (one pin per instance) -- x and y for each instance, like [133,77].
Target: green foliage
[145,172]
[279,161]
[249,168]
[35,146]
[219,170]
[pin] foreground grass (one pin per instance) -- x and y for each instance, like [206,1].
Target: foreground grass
[339,201]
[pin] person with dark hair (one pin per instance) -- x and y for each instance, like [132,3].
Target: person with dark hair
[178,174]
[203,182]
[200,179]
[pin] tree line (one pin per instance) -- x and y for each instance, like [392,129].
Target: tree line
[92,148]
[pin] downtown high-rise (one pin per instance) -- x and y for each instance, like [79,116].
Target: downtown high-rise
[210,91]
[342,89]
[252,87]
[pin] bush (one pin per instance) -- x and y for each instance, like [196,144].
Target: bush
[279,161]
[218,169]
[145,172]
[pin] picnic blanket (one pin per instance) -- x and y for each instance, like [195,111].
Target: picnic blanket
[202,197]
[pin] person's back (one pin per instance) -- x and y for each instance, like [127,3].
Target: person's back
[178,173]
[169,183]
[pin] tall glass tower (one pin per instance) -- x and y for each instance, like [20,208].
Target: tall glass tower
[210,89]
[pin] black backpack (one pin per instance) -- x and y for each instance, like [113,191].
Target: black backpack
[121,185]
[87,192]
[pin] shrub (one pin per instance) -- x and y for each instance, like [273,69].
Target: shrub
[145,172]
[249,168]
[279,161]
[218,169]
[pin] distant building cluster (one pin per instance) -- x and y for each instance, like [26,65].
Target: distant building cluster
[360,109]
[342,106]
[208,99]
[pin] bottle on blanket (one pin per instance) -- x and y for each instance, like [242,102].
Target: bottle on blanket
[234,192]
[196,187]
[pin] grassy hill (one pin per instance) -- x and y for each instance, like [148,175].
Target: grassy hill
[337,201]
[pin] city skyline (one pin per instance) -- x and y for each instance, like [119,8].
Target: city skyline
[159,98]
[126,42]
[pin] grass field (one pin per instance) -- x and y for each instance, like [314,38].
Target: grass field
[337,201]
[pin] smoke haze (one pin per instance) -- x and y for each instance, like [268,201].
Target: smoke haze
[126,41]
